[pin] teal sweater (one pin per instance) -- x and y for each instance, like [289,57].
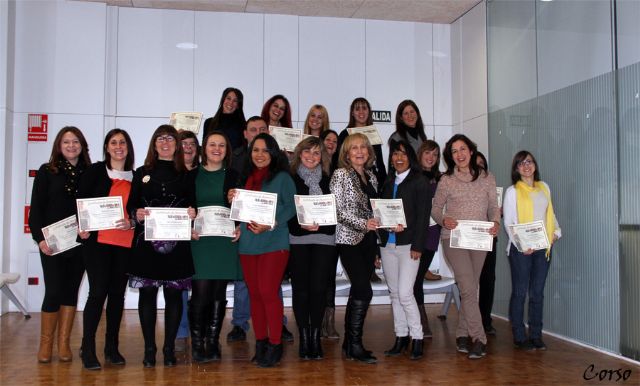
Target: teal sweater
[278,238]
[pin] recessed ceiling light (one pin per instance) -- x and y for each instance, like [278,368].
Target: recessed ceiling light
[187,46]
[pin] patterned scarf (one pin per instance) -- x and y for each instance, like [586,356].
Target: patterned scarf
[72,175]
[311,178]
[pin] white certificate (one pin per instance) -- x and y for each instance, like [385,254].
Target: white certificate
[472,235]
[531,235]
[189,121]
[61,236]
[250,205]
[370,131]
[316,210]
[287,137]
[96,214]
[499,195]
[167,224]
[214,221]
[390,213]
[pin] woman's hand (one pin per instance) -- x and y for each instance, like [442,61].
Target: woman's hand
[554,239]
[310,228]
[45,248]
[236,235]
[230,195]
[372,224]
[83,234]
[258,228]
[140,213]
[493,231]
[123,224]
[415,255]
[192,213]
[449,223]
[194,235]
[528,252]
[399,228]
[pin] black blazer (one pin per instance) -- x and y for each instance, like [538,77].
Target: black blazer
[302,189]
[416,200]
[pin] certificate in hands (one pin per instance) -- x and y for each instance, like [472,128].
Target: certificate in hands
[531,235]
[389,213]
[250,205]
[189,121]
[287,137]
[370,131]
[316,210]
[61,236]
[472,235]
[166,224]
[100,213]
[214,221]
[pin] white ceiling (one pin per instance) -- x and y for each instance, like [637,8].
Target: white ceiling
[427,11]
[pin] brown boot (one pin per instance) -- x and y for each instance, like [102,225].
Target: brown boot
[330,318]
[48,322]
[426,330]
[67,314]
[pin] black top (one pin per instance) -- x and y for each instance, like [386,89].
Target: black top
[378,167]
[302,189]
[228,124]
[50,201]
[416,201]
[163,186]
[239,157]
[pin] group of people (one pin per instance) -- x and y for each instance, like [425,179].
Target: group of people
[236,153]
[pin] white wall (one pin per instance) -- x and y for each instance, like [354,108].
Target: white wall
[99,67]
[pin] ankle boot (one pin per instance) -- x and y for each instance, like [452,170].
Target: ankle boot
[149,356]
[213,330]
[67,314]
[197,325]
[48,322]
[426,330]
[355,325]
[261,349]
[304,344]
[169,353]
[329,322]
[111,353]
[88,354]
[401,344]
[416,349]
[272,356]
[315,346]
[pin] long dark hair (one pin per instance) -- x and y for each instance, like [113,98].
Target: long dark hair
[482,158]
[285,120]
[402,128]
[152,155]
[473,149]
[356,102]
[520,156]
[128,162]
[404,146]
[56,154]
[228,151]
[278,159]
[186,134]
[237,115]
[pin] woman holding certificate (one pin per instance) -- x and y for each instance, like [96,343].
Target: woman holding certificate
[53,199]
[107,251]
[264,249]
[401,248]
[317,121]
[313,250]
[354,184]
[466,193]
[526,201]
[229,118]
[161,201]
[277,111]
[215,257]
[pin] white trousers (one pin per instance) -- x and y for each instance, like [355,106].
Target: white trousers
[400,272]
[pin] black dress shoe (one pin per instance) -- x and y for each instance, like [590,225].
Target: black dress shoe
[401,344]
[169,357]
[149,357]
[287,336]
[114,357]
[236,334]
[416,349]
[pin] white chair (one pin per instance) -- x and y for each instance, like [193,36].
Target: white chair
[446,285]
[5,280]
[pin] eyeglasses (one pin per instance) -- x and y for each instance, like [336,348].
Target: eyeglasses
[165,138]
[526,162]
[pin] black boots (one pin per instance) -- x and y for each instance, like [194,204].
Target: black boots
[88,354]
[111,353]
[213,330]
[169,353]
[149,356]
[304,342]
[197,327]
[426,330]
[261,350]
[315,346]
[272,355]
[416,349]
[401,344]
[354,324]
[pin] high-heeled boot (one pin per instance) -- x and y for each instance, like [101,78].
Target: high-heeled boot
[88,354]
[303,348]
[416,349]
[315,345]
[261,349]
[213,352]
[111,353]
[355,325]
[401,344]
[67,314]
[48,323]
[197,326]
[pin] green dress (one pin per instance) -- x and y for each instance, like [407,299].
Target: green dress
[214,257]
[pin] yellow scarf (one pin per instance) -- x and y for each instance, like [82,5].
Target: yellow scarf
[524,205]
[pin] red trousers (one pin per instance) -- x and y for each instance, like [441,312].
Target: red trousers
[263,275]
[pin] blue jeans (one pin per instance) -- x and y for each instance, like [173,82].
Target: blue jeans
[183,329]
[528,275]
[241,306]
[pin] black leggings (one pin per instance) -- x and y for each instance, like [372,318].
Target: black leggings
[148,309]
[425,262]
[358,261]
[206,291]
[331,283]
[310,265]
[106,267]
[62,277]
